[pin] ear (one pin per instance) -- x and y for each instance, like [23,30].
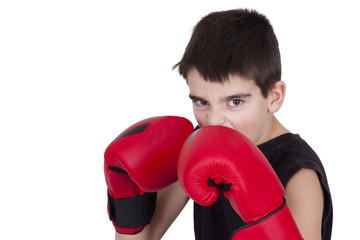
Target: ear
[276,96]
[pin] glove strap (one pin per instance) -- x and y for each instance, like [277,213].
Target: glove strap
[132,212]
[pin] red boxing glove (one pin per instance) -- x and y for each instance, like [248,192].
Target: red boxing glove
[216,159]
[140,161]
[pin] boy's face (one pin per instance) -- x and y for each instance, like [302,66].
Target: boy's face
[237,103]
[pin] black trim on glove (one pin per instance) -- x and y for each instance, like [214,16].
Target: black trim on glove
[132,212]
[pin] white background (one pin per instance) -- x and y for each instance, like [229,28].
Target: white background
[74,74]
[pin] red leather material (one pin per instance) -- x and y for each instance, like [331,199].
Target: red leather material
[150,157]
[144,159]
[279,226]
[232,161]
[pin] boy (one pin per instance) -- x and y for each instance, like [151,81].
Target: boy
[233,69]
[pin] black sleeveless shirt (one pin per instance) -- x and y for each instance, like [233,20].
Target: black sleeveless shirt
[287,154]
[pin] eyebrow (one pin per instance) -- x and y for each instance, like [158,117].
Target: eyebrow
[192,97]
[240,95]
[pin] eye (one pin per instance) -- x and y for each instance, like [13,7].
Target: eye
[235,102]
[200,103]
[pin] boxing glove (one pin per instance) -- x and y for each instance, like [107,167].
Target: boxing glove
[218,159]
[140,161]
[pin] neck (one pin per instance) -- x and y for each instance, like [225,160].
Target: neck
[276,129]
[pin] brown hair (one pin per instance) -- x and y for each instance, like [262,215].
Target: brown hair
[239,41]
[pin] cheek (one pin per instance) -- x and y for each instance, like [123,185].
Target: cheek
[200,117]
[246,127]
[250,124]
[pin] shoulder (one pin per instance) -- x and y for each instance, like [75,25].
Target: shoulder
[301,172]
[288,154]
[306,202]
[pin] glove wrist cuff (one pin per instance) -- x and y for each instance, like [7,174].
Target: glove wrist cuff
[132,212]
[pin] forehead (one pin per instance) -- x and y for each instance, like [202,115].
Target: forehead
[235,85]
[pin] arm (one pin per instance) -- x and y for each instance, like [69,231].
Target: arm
[170,202]
[143,235]
[306,202]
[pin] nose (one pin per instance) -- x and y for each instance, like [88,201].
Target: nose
[215,117]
